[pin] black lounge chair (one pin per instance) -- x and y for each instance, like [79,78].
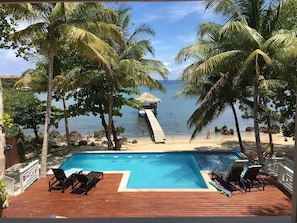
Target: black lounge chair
[250,178]
[231,177]
[62,180]
[85,182]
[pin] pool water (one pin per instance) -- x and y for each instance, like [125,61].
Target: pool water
[153,170]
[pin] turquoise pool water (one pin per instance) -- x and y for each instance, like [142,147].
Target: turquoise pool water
[154,170]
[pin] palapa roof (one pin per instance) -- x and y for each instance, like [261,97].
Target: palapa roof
[148,98]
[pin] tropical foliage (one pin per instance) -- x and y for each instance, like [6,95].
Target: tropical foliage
[81,55]
[27,111]
[241,54]
[99,61]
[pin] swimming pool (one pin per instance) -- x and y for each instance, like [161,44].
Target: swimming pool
[154,170]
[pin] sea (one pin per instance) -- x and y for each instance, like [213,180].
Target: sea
[172,114]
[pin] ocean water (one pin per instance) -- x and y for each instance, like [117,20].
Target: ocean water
[172,115]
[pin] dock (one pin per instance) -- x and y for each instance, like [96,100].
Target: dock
[157,131]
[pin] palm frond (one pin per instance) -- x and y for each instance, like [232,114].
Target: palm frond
[217,63]
[227,8]
[284,39]
[243,33]
[143,29]
[209,30]
[252,60]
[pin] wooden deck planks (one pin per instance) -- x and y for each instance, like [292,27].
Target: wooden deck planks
[158,133]
[105,201]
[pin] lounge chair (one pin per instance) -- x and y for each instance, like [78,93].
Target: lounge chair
[231,177]
[62,180]
[85,182]
[250,178]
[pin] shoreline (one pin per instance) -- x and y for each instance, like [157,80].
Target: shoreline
[283,146]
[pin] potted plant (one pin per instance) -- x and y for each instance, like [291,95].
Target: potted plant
[3,196]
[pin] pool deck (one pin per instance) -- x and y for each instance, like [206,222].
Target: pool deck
[104,201]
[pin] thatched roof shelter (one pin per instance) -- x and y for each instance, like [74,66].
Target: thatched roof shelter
[147,97]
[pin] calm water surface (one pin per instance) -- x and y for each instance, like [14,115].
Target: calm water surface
[172,114]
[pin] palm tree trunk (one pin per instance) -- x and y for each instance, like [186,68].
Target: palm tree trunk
[115,138]
[2,135]
[256,120]
[270,137]
[48,107]
[237,129]
[104,123]
[66,121]
[110,108]
[269,130]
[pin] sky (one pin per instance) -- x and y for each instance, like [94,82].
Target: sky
[175,24]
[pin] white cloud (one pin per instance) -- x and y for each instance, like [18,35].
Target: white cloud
[188,39]
[172,11]
[12,65]
[182,9]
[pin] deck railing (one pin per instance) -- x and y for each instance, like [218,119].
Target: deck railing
[29,174]
[285,177]
[272,164]
[9,185]
[9,188]
[282,168]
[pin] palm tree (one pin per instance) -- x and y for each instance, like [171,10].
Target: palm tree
[216,91]
[240,39]
[91,40]
[62,84]
[128,68]
[50,21]
[284,44]
[47,19]
[237,54]
[53,20]
[132,69]
[35,79]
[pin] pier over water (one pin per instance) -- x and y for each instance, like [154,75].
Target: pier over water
[149,109]
[157,131]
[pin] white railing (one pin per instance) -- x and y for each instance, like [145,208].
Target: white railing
[285,177]
[29,174]
[272,164]
[282,168]
[9,185]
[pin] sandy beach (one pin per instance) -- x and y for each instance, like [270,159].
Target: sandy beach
[282,146]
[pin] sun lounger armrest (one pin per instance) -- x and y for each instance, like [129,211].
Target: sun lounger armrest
[100,175]
[52,181]
[220,175]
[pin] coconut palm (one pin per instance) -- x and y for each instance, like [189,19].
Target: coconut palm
[128,67]
[285,44]
[237,53]
[267,91]
[49,21]
[240,38]
[45,22]
[132,68]
[216,91]
[91,40]
[62,84]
